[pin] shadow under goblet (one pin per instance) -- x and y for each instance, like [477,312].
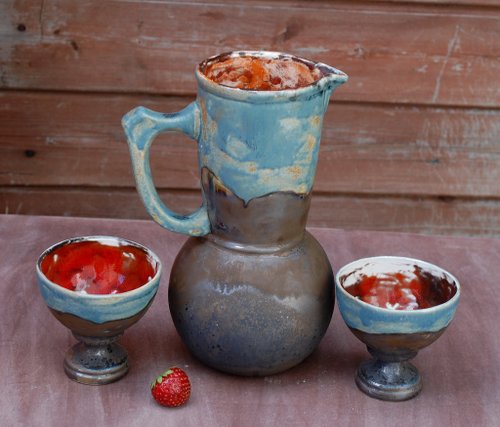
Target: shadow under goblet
[98,320]
[393,336]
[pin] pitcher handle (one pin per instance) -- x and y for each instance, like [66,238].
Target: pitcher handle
[141,126]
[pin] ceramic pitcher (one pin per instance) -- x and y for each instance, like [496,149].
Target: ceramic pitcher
[251,291]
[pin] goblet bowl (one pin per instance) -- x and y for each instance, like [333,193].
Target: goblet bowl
[394,336]
[98,320]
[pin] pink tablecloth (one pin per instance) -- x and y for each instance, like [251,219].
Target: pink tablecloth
[461,371]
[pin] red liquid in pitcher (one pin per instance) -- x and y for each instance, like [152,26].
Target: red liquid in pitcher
[253,73]
[399,291]
[97,268]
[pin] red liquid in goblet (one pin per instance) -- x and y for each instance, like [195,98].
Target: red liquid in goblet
[403,291]
[92,267]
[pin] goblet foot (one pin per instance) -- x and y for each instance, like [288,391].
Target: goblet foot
[96,361]
[388,380]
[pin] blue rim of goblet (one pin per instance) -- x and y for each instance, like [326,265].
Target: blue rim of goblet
[408,261]
[98,308]
[368,318]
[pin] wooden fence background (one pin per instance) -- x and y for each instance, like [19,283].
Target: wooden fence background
[410,143]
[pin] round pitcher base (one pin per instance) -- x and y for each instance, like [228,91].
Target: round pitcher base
[261,314]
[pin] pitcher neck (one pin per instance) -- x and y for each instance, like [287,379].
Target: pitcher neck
[266,223]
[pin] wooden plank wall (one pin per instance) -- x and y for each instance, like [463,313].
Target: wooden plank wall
[411,143]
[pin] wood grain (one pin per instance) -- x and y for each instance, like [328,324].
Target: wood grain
[410,143]
[402,53]
[419,215]
[472,3]
[77,139]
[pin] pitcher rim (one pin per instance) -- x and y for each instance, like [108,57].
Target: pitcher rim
[331,78]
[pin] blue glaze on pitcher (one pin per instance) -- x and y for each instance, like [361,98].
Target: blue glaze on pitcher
[256,296]
[254,142]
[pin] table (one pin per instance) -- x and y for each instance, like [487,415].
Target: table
[461,371]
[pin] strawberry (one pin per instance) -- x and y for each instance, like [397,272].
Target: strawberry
[172,388]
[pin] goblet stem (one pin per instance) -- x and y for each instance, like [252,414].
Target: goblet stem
[96,360]
[393,380]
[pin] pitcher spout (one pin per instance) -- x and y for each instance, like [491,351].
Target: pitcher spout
[332,77]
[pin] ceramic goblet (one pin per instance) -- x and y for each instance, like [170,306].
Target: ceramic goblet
[393,336]
[98,320]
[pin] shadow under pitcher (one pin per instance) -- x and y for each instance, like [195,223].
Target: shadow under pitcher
[251,291]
